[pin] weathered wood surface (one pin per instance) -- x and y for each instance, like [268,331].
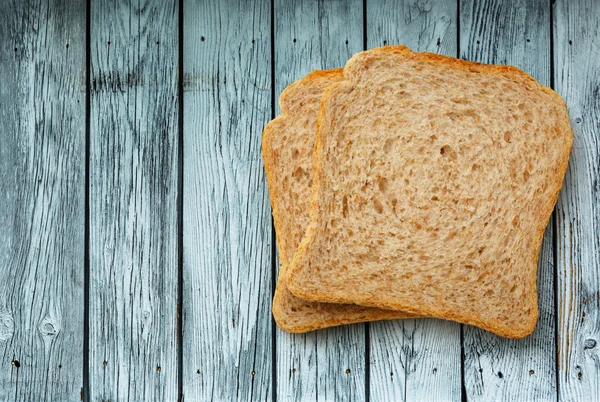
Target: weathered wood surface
[577,79]
[227,332]
[231,351]
[133,193]
[42,199]
[327,364]
[413,360]
[517,33]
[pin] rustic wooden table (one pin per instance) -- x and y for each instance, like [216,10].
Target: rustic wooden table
[137,257]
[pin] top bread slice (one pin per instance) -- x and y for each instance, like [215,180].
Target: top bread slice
[288,155]
[434,180]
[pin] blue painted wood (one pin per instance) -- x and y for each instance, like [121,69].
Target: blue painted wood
[42,199]
[577,79]
[133,201]
[227,333]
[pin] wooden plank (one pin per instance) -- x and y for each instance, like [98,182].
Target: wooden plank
[517,33]
[577,78]
[133,193]
[42,199]
[414,360]
[227,218]
[327,364]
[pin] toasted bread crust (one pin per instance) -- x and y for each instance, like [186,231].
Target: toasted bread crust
[301,266]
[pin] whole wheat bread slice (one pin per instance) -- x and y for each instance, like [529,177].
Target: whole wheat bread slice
[434,181]
[288,155]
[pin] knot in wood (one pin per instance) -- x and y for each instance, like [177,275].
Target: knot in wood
[48,328]
[7,325]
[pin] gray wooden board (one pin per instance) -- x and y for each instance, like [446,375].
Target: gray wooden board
[42,196]
[227,218]
[327,364]
[517,33]
[228,343]
[133,193]
[577,79]
[414,360]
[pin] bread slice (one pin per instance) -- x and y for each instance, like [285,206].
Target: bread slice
[434,180]
[288,155]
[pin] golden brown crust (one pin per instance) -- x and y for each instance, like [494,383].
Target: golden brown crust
[293,282]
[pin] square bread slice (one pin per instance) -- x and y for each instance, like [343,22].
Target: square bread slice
[434,180]
[287,148]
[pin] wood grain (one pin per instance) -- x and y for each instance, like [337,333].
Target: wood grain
[227,217]
[414,360]
[133,192]
[577,79]
[42,196]
[327,364]
[517,33]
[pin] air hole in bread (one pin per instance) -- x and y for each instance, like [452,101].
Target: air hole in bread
[461,101]
[378,206]
[453,116]
[298,173]
[475,167]
[295,153]
[516,220]
[341,138]
[446,150]
[345,206]
[470,113]
[383,185]
[526,176]
[388,145]
[435,198]
[507,136]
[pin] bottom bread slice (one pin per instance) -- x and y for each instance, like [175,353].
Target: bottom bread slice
[287,148]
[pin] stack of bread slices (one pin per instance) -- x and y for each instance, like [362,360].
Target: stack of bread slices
[413,185]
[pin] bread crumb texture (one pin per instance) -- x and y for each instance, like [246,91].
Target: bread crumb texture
[434,181]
